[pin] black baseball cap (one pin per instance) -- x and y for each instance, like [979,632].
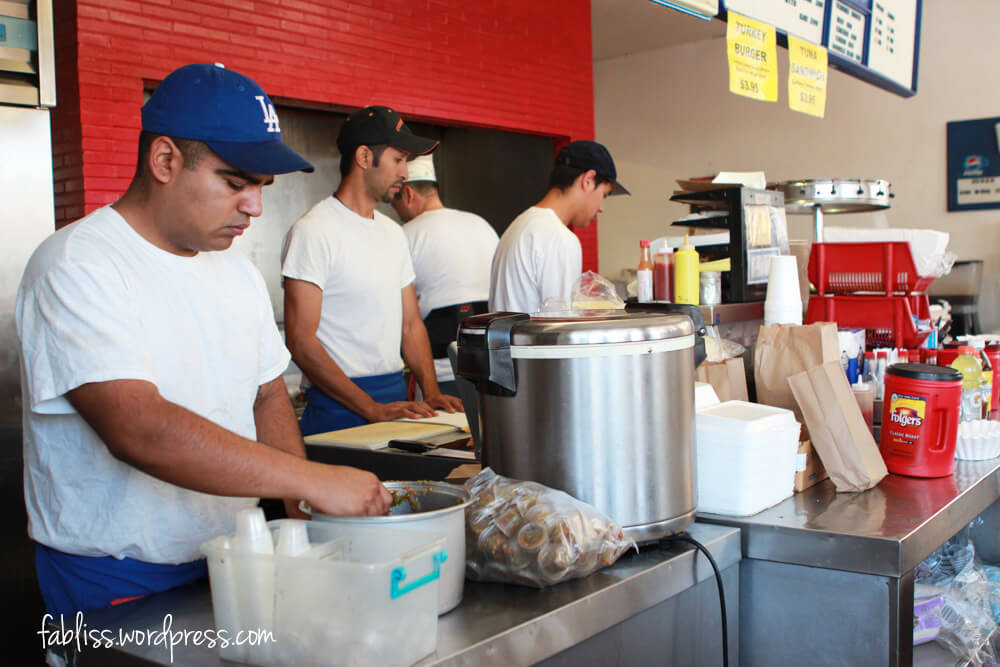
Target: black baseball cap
[584,155]
[372,126]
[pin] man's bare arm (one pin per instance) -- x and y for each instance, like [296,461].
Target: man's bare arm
[171,443]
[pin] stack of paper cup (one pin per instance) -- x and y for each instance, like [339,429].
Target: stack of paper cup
[783,304]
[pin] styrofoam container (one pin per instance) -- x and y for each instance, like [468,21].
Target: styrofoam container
[746,457]
[360,599]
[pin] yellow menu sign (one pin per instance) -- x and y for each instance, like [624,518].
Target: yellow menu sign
[753,64]
[807,75]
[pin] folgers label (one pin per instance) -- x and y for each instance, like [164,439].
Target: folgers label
[920,419]
[906,417]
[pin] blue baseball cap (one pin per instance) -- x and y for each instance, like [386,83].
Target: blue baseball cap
[226,110]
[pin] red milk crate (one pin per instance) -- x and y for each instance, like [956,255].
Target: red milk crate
[887,320]
[843,268]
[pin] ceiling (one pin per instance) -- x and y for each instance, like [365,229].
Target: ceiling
[622,27]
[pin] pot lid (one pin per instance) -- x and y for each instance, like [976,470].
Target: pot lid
[590,327]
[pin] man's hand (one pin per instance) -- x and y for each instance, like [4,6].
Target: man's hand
[343,491]
[387,412]
[445,402]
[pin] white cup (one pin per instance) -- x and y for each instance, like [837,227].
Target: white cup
[783,304]
[293,540]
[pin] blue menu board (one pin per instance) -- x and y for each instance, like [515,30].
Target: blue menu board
[874,40]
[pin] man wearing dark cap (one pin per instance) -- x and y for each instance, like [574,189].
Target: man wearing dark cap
[539,257]
[154,407]
[350,305]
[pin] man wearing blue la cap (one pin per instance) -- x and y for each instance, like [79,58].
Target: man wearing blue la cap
[154,407]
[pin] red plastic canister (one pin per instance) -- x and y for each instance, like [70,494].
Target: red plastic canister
[946,355]
[993,352]
[920,419]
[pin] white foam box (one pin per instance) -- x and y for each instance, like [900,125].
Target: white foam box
[745,457]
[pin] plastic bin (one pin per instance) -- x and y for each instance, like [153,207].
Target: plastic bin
[746,455]
[365,599]
[844,268]
[888,321]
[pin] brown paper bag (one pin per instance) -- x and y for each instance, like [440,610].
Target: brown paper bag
[728,378]
[782,350]
[838,430]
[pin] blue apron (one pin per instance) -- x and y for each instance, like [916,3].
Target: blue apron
[324,414]
[71,583]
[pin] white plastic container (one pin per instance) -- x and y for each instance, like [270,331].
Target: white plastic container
[745,457]
[349,600]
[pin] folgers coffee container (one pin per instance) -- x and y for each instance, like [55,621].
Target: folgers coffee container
[920,419]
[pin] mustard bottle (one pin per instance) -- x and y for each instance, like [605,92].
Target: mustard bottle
[686,274]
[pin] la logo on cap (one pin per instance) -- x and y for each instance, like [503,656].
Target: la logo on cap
[270,115]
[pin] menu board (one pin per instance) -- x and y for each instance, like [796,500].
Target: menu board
[847,31]
[873,40]
[892,44]
[802,18]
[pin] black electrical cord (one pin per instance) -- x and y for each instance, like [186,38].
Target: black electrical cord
[684,537]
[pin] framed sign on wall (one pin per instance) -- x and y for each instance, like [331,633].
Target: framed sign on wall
[974,164]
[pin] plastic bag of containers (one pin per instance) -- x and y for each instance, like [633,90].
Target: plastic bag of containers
[968,599]
[526,533]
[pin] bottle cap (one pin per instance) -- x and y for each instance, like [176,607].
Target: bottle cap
[966,349]
[644,244]
[687,243]
[869,354]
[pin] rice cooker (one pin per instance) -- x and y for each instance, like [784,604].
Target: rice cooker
[599,404]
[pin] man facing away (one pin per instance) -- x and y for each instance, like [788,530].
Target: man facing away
[452,251]
[350,305]
[154,407]
[538,256]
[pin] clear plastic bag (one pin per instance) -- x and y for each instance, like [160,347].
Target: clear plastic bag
[964,630]
[594,291]
[526,533]
[970,595]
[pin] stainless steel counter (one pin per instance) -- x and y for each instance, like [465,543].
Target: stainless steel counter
[504,625]
[887,530]
[830,576]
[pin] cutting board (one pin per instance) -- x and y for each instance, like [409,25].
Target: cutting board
[456,419]
[377,435]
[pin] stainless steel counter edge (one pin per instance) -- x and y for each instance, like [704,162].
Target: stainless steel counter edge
[482,633]
[886,531]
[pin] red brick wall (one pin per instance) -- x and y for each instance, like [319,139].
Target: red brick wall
[519,65]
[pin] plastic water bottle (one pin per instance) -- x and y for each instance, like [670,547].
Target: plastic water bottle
[967,363]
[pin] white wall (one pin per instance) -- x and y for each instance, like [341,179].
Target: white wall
[667,114]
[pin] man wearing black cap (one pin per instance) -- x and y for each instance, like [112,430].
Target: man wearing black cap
[539,257]
[154,407]
[350,306]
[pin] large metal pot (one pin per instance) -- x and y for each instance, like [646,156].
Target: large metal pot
[434,507]
[600,406]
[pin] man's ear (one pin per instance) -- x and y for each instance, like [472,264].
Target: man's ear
[165,159]
[363,157]
[588,180]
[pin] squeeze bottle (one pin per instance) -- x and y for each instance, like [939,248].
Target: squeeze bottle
[686,274]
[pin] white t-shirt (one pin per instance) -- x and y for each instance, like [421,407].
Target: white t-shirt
[361,264]
[451,251]
[98,302]
[538,258]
